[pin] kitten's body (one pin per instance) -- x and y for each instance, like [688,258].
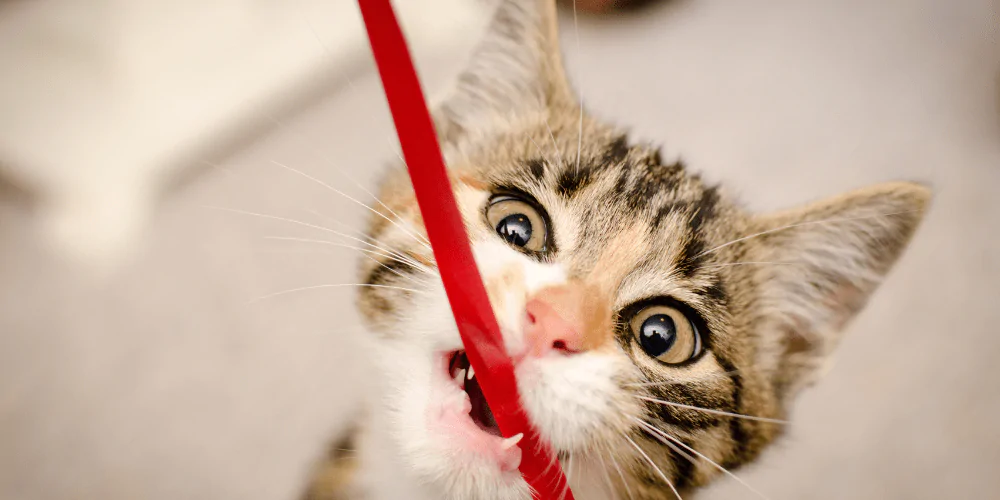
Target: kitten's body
[624,233]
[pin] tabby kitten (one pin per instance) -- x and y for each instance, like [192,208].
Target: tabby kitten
[659,332]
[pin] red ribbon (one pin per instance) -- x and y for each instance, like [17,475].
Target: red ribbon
[469,303]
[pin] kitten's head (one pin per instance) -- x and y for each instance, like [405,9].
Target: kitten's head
[645,311]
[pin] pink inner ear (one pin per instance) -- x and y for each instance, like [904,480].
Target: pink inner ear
[845,301]
[796,343]
[841,304]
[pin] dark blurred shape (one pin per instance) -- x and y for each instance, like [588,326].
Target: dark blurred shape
[606,6]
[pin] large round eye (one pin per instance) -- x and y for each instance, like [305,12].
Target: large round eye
[518,222]
[666,334]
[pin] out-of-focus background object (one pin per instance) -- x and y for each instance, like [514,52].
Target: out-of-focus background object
[102,101]
[603,6]
[171,123]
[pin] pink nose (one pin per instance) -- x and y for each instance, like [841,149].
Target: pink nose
[551,324]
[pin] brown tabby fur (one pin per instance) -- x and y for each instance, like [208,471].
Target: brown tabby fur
[775,291]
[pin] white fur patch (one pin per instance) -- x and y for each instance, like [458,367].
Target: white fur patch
[514,278]
[569,398]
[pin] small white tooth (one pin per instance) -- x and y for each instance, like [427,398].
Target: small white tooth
[511,441]
[472,373]
[460,376]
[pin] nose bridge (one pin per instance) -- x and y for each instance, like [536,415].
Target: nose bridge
[577,312]
[507,292]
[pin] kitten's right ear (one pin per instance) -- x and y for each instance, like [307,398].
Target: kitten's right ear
[515,70]
[828,258]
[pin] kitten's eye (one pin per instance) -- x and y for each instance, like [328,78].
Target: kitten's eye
[518,222]
[666,334]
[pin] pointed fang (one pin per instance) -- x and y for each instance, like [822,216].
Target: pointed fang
[511,441]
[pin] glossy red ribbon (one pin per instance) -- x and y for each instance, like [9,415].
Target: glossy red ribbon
[469,303]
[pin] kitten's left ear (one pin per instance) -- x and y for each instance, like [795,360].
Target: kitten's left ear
[514,71]
[830,256]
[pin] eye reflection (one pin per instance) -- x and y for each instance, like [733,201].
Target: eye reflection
[517,222]
[666,334]
[516,229]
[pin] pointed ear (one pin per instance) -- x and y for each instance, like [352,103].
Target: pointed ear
[830,256]
[516,69]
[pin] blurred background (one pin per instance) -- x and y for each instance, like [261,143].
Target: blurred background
[154,181]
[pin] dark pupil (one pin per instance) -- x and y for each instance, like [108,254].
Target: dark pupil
[657,334]
[516,229]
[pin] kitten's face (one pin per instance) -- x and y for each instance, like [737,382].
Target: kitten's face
[603,301]
[644,312]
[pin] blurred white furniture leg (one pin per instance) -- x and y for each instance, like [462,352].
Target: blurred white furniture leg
[101,100]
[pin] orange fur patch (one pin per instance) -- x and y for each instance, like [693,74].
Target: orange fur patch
[585,306]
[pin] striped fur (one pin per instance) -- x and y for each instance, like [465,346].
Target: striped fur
[774,292]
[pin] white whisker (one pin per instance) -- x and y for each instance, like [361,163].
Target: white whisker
[345,195]
[234,174]
[655,467]
[272,217]
[681,382]
[347,227]
[663,440]
[707,410]
[228,171]
[749,263]
[628,491]
[334,285]
[539,148]
[381,203]
[386,252]
[569,467]
[709,460]
[553,462]
[799,224]
[300,251]
[607,476]
[395,256]
[421,237]
[393,271]
[579,140]
[281,124]
[329,53]
[381,247]
[304,224]
[566,486]
[562,161]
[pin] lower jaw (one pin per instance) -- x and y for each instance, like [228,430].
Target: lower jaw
[464,421]
[471,443]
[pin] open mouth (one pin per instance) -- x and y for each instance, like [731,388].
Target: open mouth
[468,420]
[461,373]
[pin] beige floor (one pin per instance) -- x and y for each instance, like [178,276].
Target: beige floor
[165,384]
